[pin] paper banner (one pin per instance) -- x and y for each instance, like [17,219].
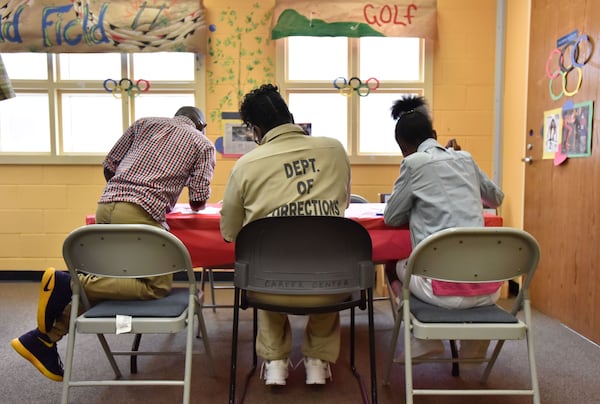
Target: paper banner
[351,18]
[102,26]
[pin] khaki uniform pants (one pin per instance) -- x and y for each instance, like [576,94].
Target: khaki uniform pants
[98,289]
[321,334]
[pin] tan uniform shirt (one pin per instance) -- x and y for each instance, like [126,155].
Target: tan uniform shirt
[289,174]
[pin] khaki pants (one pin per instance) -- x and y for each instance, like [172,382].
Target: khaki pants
[321,335]
[98,289]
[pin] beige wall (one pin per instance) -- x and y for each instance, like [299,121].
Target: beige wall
[41,204]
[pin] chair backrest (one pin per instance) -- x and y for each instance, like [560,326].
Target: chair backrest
[125,250]
[356,198]
[303,255]
[475,254]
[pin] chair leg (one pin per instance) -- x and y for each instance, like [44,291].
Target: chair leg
[70,350]
[408,379]
[211,281]
[134,347]
[254,356]
[202,331]
[361,384]
[187,377]
[455,364]
[234,342]
[392,351]
[372,346]
[109,355]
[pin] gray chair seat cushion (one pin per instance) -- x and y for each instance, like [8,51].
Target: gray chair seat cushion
[170,306]
[428,313]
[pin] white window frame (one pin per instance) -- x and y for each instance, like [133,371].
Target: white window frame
[54,87]
[423,86]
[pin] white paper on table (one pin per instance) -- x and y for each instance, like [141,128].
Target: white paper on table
[365,210]
[208,210]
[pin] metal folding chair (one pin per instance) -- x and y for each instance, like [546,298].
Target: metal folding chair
[308,255]
[131,251]
[468,254]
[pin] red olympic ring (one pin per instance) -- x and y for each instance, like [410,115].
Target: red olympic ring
[371,79]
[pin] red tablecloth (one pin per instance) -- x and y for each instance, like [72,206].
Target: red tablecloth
[201,234]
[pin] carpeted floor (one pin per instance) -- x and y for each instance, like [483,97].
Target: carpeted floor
[567,364]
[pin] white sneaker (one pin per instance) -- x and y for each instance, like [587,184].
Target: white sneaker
[317,371]
[275,372]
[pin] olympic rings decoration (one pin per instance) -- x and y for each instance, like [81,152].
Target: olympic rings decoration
[355,84]
[126,85]
[565,59]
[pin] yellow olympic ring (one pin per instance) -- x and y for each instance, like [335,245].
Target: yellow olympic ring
[347,91]
[564,90]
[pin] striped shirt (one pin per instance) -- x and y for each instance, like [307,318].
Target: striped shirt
[154,159]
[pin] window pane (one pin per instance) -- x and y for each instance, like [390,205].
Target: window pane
[90,66]
[376,124]
[317,58]
[164,66]
[91,122]
[164,105]
[18,131]
[26,66]
[390,58]
[328,114]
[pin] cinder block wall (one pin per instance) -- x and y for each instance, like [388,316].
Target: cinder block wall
[40,204]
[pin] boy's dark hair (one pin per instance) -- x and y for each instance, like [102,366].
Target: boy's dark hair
[413,122]
[265,107]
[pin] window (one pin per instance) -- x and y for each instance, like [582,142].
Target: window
[71,108]
[345,88]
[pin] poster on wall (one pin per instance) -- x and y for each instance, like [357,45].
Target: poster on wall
[238,139]
[552,132]
[576,134]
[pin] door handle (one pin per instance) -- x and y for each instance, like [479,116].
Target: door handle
[527,159]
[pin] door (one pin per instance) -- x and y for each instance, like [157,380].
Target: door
[562,202]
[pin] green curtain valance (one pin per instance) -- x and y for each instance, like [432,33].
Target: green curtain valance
[351,18]
[72,26]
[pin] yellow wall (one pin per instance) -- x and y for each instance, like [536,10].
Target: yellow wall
[515,110]
[40,204]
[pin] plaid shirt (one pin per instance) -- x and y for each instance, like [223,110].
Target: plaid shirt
[154,159]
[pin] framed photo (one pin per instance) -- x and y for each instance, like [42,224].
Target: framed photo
[576,139]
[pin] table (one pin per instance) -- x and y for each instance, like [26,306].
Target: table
[201,234]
